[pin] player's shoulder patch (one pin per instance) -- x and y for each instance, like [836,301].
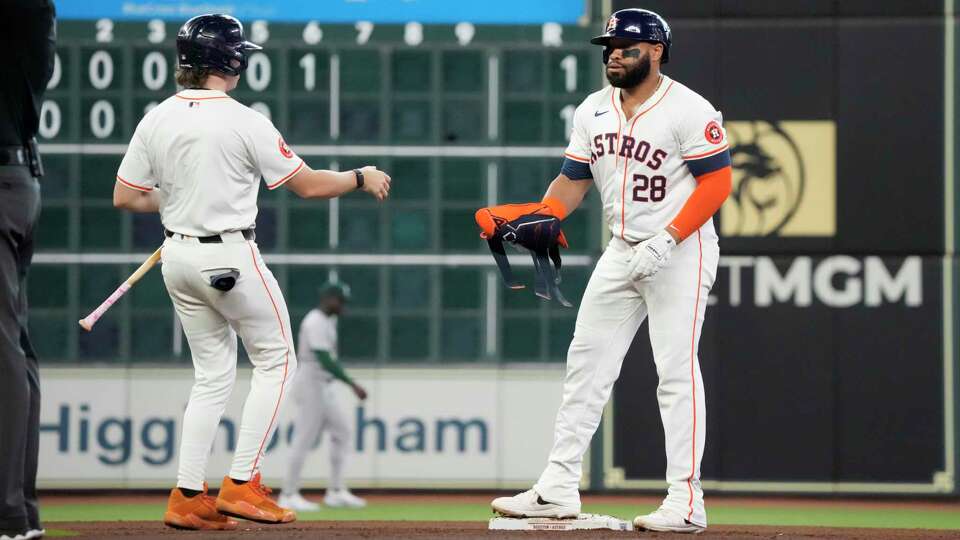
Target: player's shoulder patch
[284,149]
[713,133]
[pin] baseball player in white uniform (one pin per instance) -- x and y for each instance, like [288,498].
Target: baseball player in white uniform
[318,410]
[197,159]
[658,154]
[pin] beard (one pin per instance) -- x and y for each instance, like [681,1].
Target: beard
[631,77]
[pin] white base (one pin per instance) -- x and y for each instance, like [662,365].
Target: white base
[580,523]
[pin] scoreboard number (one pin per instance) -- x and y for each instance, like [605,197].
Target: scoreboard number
[154,70]
[259,32]
[569,67]
[566,114]
[50,119]
[464,32]
[413,33]
[258,72]
[312,33]
[309,64]
[104,30]
[100,69]
[57,73]
[552,35]
[364,29]
[156,31]
[102,119]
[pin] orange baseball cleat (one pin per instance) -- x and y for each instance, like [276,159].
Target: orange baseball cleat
[196,513]
[251,500]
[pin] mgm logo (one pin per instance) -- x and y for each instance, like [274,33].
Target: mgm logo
[784,179]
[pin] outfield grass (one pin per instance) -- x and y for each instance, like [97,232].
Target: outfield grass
[719,514]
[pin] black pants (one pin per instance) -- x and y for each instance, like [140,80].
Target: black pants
[19,375]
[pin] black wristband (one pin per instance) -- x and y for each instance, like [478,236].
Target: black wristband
[359,175]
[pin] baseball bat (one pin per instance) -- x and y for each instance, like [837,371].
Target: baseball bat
[91,319]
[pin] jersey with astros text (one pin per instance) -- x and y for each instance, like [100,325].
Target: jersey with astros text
[207,153]
[644,166]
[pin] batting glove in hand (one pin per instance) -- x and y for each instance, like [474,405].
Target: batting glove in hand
[532,226]
[649,256]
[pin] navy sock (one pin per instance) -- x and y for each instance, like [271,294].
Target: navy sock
[189,492]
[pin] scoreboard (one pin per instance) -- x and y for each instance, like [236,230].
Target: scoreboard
[461,115]
[370,83]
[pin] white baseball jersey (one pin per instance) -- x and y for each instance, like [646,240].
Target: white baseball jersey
[645,168]
[639,164]
[207,153]
[318,332]
[318,410]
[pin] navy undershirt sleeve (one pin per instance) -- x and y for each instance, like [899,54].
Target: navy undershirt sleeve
[576,170]
[700,167]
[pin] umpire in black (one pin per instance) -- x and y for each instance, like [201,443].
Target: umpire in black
[29,28]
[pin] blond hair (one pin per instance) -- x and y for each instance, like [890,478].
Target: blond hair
[192,77]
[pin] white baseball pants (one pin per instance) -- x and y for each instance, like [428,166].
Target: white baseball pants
[255,310]
[612,309]
[317,412]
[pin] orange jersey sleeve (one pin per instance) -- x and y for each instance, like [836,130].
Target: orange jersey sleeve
[712,189]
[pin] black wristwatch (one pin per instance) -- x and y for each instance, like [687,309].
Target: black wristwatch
[359,175]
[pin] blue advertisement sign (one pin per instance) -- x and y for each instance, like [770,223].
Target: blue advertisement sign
[334,11]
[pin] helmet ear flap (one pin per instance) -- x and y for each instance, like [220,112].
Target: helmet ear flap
[607,51]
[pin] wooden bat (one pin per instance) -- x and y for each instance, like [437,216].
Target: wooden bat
[91,319]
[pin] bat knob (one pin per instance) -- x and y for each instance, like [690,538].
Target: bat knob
[85,325]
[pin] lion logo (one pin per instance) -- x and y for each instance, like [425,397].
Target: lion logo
[768,181]
[783,179]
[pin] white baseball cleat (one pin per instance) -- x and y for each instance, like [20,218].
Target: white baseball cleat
[35,533]
[296,502]
[665,520]
[529,504]
[342,498]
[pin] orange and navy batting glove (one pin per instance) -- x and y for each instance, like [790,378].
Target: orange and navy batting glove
[534,226]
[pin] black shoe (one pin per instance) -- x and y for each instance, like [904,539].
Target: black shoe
[14,534]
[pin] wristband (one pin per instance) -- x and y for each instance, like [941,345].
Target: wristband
[359,175]
[557,209]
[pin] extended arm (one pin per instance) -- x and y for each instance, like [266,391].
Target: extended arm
[322,184]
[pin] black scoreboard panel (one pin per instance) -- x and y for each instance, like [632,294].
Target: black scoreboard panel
[452,112]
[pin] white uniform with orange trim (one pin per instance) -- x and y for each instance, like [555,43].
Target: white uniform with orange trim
[639,166]
[207,154]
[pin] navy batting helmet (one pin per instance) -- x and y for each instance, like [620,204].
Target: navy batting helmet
[638,25]
[213,42]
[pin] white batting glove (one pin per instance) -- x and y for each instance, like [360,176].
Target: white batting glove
[649,256]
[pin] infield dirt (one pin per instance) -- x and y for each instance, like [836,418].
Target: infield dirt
[467,530]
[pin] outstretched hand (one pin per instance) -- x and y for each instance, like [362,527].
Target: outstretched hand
[376,182]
